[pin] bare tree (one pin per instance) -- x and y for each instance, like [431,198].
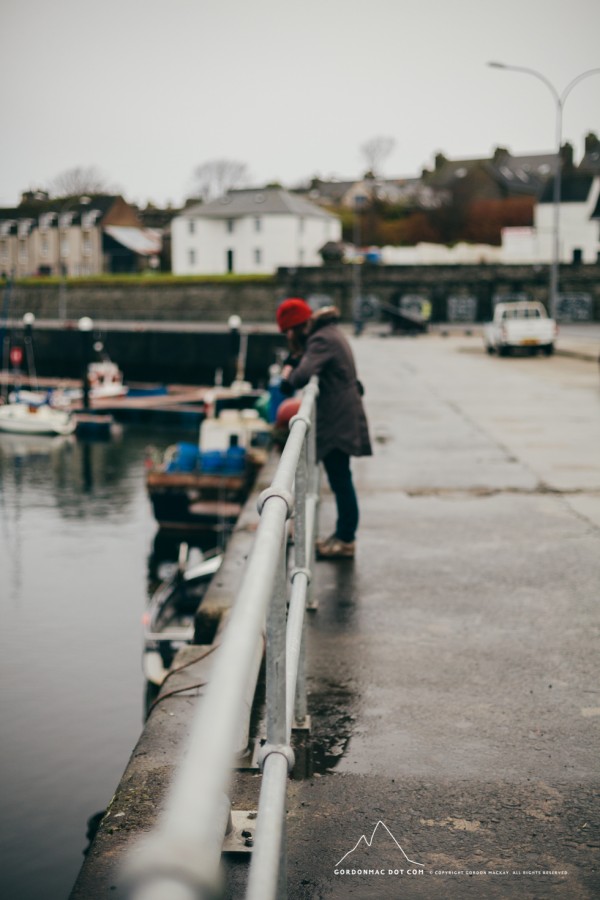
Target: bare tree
[375,151]
[217,176]
[79,180]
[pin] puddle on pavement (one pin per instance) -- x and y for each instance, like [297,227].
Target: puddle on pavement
[333,721]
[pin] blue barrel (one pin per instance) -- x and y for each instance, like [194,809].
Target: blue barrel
[187,457]
[211,460]
[275,398]
[234,460]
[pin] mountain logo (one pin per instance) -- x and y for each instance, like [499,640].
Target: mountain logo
[364,841]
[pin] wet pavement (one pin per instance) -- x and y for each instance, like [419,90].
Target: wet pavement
[453,665]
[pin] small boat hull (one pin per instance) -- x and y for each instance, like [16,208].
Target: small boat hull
[169,620]
[20,418]
[204,486]
[197,500]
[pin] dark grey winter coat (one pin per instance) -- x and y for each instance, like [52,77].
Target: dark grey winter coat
[341,419]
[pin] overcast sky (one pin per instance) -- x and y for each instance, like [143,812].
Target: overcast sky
[145,90]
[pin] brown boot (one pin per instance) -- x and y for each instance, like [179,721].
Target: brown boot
[333,548]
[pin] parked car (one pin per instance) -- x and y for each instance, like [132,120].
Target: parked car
[521,324]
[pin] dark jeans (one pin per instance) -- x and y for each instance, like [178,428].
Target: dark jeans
[337,466]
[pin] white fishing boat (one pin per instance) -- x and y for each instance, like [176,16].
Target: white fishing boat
[30,410]
[26,418]
[169,620]
[105,381]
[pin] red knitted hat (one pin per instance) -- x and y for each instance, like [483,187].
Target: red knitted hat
[292,312]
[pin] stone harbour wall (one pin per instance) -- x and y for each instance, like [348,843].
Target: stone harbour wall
[256,300]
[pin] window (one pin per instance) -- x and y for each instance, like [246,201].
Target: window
[258,256]
[22,249]
[191,257]
[87,246]
[230,223]
[257,223]
[88,219]
[4,250]
[44,246]
[191,226]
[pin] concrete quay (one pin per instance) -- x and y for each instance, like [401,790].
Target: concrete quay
[453,666]
[454,669]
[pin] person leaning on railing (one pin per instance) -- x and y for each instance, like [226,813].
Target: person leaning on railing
[318,347]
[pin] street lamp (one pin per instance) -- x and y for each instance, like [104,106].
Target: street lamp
[62,287]
[28,323]
[239,347]
[85,326]
[359,204]
[559,100]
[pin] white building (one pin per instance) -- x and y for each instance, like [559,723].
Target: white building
[250,232]
[579,225]
[424,254]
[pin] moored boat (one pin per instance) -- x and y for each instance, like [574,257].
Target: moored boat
[203,486]
[169,621]
[105,381]
[29,411]
[25,418]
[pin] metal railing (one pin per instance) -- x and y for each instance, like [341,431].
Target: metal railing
[180,860]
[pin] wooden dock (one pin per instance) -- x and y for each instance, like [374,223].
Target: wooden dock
[180,404]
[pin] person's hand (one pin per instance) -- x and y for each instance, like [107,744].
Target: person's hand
[286,372]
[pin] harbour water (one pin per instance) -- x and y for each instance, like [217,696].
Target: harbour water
[76,567]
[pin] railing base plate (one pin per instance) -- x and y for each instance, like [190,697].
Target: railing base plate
[240,838]
[250,759]
[302,745]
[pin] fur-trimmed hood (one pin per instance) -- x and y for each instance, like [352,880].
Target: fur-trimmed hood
[327,315]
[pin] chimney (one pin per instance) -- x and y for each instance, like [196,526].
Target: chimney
[566,156]
[33,196]
[500,153]
[440,160]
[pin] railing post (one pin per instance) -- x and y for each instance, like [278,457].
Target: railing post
[275,667]
[300,562]
[313,486]
[301,488]
[268,870]
[276,686]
